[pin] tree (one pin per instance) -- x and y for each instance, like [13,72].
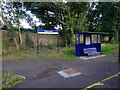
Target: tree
[7,24]
[104,18]
[1,23]
[76,18]
[62,14]
[12,16]
[18,23]
[109,19]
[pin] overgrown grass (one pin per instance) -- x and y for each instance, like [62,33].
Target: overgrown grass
[50,47]
[0,47]
[9,80]
[50,52]
[108,49]
[64,54]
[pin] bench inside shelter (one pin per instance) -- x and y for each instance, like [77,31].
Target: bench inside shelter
[91,51]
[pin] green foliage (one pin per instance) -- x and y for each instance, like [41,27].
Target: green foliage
[64,54]
[28,41]
[62,45]
[12,32]
[5,44]
[108,49]
[104,18]
[4,27]
[50,52]
[62,14]
[23,30]
[47,47]
[9,80]
[69,52]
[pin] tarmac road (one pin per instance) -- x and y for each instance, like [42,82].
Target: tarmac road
[43,73]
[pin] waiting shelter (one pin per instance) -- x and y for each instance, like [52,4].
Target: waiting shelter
[88,43]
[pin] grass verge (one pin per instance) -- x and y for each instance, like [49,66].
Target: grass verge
[108,49]
[9,80]
[64,53]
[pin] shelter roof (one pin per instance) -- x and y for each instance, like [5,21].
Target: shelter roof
[92,33]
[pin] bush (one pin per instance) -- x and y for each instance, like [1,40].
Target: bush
[108,49]
[62,44]
[28,41]
[9,80]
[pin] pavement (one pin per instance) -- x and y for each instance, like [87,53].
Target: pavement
[43,73]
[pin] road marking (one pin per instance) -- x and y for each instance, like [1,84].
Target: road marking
[98,83]
[22,76]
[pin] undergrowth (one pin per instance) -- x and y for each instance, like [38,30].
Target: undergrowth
[108,49]
[49,52]
[9,80]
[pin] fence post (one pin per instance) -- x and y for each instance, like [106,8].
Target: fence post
[37,44]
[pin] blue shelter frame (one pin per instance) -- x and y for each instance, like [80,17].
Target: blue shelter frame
[87,40]
[54,32]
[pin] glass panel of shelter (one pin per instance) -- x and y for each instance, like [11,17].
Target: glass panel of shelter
[99,39]
[76,38]
[87,39]
[96,38]
[79,39]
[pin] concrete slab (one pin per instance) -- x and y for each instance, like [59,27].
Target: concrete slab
[91,57]
[69,73]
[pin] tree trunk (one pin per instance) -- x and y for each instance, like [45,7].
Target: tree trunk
[15,41]
[7,24]
[116,37]
[20,38]
[20,35]
[65,38]
[71,38]
[61,20]
[110,38]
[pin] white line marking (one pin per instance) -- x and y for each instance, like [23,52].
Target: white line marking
[22,76]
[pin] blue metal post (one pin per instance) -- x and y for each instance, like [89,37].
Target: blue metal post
[58,43]
[37,44]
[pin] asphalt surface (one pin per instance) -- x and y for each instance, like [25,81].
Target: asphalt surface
[43,73]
